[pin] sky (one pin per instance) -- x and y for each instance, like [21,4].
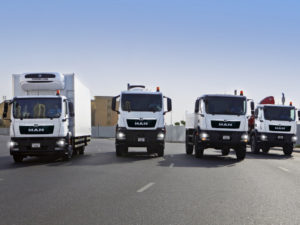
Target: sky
[186,47]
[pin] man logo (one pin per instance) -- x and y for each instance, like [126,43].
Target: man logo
[141,123]
[36,130]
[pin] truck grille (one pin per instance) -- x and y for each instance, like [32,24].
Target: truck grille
[39,76]
[280,128]
[36,130]
[225,124]
[141,123]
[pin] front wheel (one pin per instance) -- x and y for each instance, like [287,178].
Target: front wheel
[225,151]
[288,149]
[81,150]
[160,151]
[68,155]
[199,149]
[189,149]
[121,150]
[254,145]
[265,149]
[240,152]
[18,158]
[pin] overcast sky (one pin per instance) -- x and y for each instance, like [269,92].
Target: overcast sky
[188,48]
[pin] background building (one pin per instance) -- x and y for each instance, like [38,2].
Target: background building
[4,123]
[102,115]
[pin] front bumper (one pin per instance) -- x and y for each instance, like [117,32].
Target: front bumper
[221,139]
[48,146]
[275,139]
[140,138]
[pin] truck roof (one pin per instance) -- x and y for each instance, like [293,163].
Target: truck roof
[39,96]
[141,91]
[272,105]
[222,95]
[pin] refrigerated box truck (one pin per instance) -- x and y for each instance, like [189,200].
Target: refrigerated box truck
[51,114]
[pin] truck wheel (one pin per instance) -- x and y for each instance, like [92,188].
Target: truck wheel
[288,149]
[68,155]
[225,151]
[254,145]
[240,152]
[265,149]
[18,158]
[160,151]
[189,149]
[199,149]
[81,150]
[121,150]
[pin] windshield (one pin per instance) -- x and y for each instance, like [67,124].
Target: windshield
[225,105]
[141,102]
[279,113]
[37,108]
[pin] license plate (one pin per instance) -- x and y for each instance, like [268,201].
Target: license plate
[226,138]
[141,139]
[280,137]
[36,145]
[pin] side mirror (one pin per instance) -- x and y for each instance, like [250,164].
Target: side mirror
[299,115]
[5,110]
[71,109]
[169,104]
[252,108]
[197,105]
[114,103]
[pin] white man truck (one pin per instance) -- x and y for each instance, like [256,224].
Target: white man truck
[273,126]
[51,114]
[220,122]
[141,120]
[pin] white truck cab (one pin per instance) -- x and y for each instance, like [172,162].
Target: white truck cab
[220,122]
[273,126]
[141,120]
[50,115]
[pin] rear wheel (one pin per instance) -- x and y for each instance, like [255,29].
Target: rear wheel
[18,158]
[225,151]
[189,149]
[81,150]
[254,145]
[240,152]
[288,149]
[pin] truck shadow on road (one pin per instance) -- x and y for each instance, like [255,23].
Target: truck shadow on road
[269,156]
[208,161]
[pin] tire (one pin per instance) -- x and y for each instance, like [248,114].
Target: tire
[240,152]
[254,145]
[18,158]
[121,150]
[189,149]
[265,149]
[160,151]
[199,149]
[225,151]
[68,155]
[81,150]
[288,149]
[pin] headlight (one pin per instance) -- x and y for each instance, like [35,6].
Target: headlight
[61,143]
[245,137]
[120,136]
[204,136]
[294,139]
[160,136]
[12,144]
[263,137]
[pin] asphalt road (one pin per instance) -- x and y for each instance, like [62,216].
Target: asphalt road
[99,188]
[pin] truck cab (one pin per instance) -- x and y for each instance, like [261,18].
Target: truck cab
[274,126]
[141,120]
[220,122]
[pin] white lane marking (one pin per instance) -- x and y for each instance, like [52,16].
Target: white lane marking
[171,165]
[284,169]
[145,188]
